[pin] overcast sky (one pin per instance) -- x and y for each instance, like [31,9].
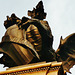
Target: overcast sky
[60,15]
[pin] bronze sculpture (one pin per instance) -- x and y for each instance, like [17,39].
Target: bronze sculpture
[30,40]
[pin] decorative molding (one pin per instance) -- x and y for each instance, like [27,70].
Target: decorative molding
[44,68]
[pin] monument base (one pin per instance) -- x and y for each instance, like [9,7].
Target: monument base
[43,68]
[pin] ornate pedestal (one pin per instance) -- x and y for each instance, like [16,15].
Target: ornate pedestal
[51,68]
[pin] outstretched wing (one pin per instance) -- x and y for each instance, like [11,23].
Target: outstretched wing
[66,52]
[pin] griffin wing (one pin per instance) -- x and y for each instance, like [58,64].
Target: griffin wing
[66,52]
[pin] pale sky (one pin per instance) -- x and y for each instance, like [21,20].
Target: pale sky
[60,15]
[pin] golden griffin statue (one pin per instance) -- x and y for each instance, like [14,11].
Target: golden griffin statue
[30,40]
